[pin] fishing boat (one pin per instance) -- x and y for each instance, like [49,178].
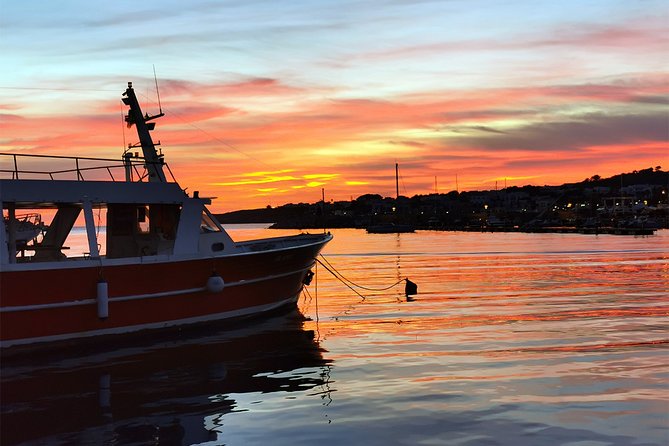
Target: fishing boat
[393,226]
[157,259]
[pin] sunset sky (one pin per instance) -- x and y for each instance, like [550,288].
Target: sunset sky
[267,102]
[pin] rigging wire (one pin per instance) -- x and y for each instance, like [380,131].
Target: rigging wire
[217,139]
[157,91]
[204,132]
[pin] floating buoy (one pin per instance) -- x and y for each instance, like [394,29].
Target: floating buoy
[410,288]
[215,283]
[102,298]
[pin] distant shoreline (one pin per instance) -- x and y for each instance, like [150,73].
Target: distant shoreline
[610,230]
[629,203]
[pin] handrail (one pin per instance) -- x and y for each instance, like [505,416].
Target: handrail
[78,170]
[34,155]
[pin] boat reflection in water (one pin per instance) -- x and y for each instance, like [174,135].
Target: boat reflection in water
[166,391]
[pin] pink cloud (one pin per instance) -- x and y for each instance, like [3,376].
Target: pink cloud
[648,35]
[247,87]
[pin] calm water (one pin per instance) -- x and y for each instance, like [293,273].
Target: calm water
[514,339]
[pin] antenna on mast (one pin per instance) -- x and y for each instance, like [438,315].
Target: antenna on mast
[160,108]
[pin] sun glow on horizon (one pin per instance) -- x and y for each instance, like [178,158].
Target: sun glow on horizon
[285,107]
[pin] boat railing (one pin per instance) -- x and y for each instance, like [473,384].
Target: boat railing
[17,166]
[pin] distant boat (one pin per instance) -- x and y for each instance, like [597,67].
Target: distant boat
[389,228]
[167,262]
[392,227]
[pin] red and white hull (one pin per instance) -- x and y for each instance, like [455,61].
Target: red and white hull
[48,303]
[167,261]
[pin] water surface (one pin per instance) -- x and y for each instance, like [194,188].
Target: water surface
[513,339]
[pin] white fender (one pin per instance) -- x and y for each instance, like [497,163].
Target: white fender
[102,299]
[215,284]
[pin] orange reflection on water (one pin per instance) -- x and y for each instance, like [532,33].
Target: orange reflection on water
[511,318]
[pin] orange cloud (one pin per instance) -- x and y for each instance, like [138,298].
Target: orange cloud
[544,135]
[266,179]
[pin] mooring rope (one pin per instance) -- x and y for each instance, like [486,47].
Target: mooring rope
[410,288]
[349,283]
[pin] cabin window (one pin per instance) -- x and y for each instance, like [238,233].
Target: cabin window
[209,224]
[164,220]
[141,230]
[121,219]
[217,247]
[142,222]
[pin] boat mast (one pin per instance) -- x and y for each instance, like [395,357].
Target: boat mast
[152,160]
[397,182]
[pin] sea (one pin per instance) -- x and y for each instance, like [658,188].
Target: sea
[511,339]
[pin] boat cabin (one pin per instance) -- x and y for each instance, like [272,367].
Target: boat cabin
[147,212]
[142,219]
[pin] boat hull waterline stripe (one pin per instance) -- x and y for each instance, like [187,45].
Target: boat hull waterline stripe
[156,325]
[147,296]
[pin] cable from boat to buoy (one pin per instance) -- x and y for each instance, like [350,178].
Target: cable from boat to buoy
[410,287]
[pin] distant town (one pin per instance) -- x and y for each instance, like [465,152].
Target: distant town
[635,200]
